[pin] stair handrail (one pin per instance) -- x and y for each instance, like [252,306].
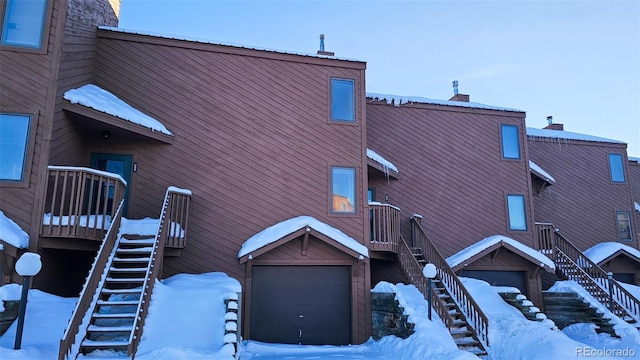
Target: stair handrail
[154,269]
[90,288]
[621,296]
[474,315]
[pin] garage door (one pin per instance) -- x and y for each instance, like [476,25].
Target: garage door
[301,304]
[515,279]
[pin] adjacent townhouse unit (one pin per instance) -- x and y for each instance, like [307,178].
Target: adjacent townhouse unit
[278,169]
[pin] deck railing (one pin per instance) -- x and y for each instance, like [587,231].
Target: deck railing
[90,288]
[80,202]
[468,306]
[174,207]
[384,226]
[576,266]
[177,216]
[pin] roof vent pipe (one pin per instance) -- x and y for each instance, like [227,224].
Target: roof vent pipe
[455,87]
[321,42]
[550,119]
[322,51]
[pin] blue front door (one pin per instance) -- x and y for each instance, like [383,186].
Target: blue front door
[117,164]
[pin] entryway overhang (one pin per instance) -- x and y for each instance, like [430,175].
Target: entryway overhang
[97,110]
[604,252]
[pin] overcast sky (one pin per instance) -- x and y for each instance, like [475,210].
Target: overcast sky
[578,61]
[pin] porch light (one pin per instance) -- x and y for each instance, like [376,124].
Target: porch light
[27,266]
[429,271]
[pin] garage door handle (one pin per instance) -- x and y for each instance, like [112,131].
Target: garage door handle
[300,333]
[300,316]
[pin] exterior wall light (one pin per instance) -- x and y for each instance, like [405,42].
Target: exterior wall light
[27,266]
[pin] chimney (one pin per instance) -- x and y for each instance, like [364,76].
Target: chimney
[553,126]
[321,51]
[456,96]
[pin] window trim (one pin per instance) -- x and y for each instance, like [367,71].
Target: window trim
[624,177]
[355,191]
[502,144]
[29,150]
[332,120]
[524,212]
[46,29]
[629,220]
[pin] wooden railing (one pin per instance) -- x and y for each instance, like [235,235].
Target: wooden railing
[178,216]
[172,208]
[89,291]
[80,202]
[576,266]
[470,309]
[384,226]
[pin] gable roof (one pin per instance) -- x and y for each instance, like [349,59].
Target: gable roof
[606,251]
[288,230]
[489,244]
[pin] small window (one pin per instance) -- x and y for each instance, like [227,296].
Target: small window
[615,168]
[371,194]
[23,23]
[510,141]
[14,144]
[343,190]
[516,211]
[624,225]
[342,100]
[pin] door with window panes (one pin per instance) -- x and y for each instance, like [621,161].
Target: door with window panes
[116,164]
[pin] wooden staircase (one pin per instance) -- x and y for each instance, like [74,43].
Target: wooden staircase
[573,264]
[467,324]
[120,299]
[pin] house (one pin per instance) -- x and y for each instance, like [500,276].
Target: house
[274,167]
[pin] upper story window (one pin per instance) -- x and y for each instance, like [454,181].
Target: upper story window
[343,100]
[624,225]
[14,147]
[510,141]
[615,168]
[23,23]
[516,212]
[343,190]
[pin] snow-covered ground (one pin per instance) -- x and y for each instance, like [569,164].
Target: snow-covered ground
[186,321]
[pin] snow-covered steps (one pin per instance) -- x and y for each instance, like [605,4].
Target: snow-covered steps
[566,308]
[513,297]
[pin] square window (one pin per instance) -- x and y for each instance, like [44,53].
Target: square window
[343,190]
[615,168]
[14,143]
[624,225]
[516,211]
[342,100]
[510,141]
[23,23]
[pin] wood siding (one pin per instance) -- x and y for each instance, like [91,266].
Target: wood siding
[634,180]
[451,170]
[583,201]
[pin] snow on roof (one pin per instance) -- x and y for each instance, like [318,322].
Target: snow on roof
[567,135]
[635,159]
[381,160]
[216,42]
[284,228]
[599,252]
[470,251]
[101,100]
[12,233]
[398,100]
[539,171]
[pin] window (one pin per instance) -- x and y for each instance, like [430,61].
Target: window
[14,144]
[23,23]
[615,168]
[510,141]
[516,211]
[343,190]
[624,225]
[371,194]
[342,100]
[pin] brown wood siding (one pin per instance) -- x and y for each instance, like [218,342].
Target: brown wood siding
[583,201]
[451,171]
[28,85]
[634,180]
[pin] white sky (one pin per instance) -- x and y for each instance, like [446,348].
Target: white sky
[578,61]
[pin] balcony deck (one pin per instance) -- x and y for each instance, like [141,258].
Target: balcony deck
[384,222]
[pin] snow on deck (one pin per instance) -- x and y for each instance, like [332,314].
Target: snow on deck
[12,233]
[535,167]
[567,135]
[94,97]
[470,251]
[398,100]
[284,228]
[601,251]
[386,164]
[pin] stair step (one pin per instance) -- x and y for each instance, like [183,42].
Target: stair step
[117,303]
[468,341]
[141,250]
[94,328]
[104,344]
[115,269]
[125,280]
[113,316]
[145,241]
[130,260]
[122,291]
